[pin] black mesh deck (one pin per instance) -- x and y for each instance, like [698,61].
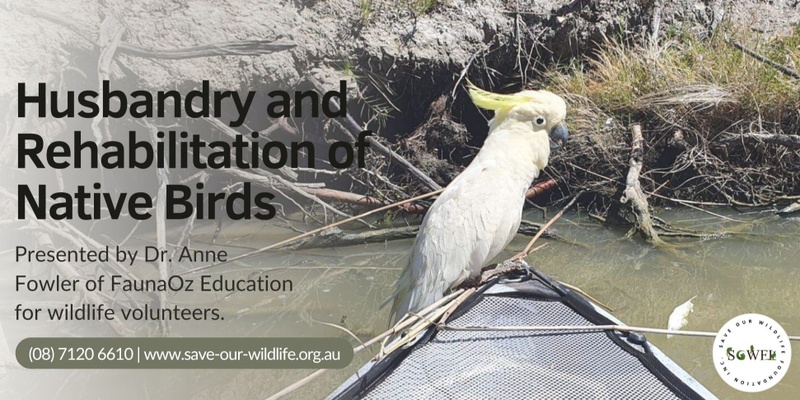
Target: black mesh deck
[524,365]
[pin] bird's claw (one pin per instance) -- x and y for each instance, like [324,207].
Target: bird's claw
[505,267]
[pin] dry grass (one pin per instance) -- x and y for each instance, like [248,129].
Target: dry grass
[691,73]
[710,91]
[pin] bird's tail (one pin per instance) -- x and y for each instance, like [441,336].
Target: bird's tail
[400,298]
[410,295]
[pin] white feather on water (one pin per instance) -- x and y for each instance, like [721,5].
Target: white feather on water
[679,317]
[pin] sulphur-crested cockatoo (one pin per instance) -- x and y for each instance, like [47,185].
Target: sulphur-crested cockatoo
[480,211]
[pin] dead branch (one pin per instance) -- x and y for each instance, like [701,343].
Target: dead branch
[363,200]
[272,180]
[524,253]
[780,67]
[633,189]
[335,237]
[315,231]
[161,231]
[353,198]
[790,141]
[276,182]
[111,31]
[540,187]
[232,133]
[655,24]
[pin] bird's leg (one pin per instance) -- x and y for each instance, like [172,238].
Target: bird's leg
[525,253]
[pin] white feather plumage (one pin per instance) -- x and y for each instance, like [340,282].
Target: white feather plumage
[479,213]
[680,316]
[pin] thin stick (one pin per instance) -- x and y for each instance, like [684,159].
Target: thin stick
[425,321]
[397,328]
[786,70]
[684,203]
[524,253]
[341,328]
[161,231]
[456,304]
[111,31]
[579,290]
[315,231]
[275,181]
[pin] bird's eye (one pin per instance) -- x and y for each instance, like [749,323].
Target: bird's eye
[539,121]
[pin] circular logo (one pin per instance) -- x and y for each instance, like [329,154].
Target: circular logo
[752,353]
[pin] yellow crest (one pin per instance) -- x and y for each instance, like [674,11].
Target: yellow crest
[494,101]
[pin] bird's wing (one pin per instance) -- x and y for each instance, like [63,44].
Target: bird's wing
[440,248]
[498,215]
[467,226]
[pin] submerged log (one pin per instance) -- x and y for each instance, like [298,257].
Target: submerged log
[335,237]
[412,208]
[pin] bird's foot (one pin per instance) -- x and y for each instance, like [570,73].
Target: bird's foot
[502,268]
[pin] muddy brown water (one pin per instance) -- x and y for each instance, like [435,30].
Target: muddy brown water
[755,270]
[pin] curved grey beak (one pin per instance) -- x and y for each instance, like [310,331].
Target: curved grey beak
[558,136]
